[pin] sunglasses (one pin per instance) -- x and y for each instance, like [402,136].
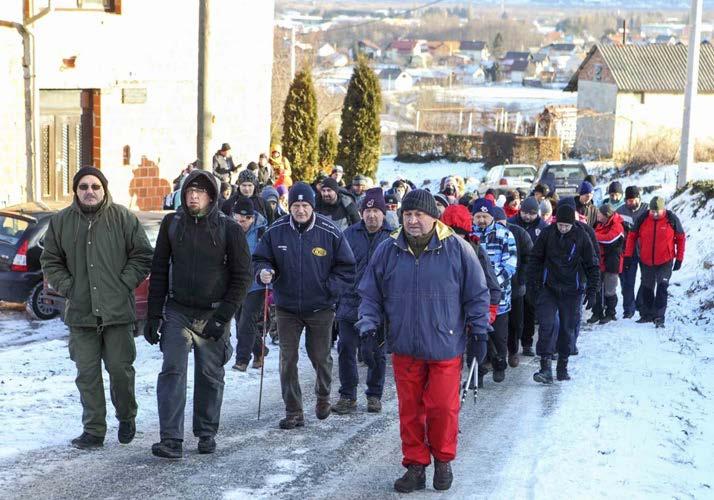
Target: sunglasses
[93,187]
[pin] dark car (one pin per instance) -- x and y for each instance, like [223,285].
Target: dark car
[22,229]
[151,221]
[565,175]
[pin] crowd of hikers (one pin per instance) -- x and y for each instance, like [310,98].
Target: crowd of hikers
[447,283]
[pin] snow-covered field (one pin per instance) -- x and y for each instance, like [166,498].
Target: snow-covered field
[528,100]
[428,175]
[635,421]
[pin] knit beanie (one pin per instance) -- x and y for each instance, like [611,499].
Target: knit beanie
[497,213]
[269,193]
[282,190]
[607,210]
[632,192]
[481,205]
[458,218]
[89,171]
[301,192]
[247,176]
[331,184]
[243,206]
[657,203]
[202,181]
[374,198]
[546,209]
[565,214]
[422,200]
[614,187]
[530,204]
[585,188]
[441,199]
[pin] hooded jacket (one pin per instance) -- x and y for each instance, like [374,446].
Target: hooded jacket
[661,240]
[96,263]
[611,238]
[501,248]
[281,167]
[200,263]
[343,213]
[524,245]
[427,303]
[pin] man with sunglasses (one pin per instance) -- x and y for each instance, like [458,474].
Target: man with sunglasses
[95,254]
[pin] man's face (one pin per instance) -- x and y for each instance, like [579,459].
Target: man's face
[529,217]
[373,219]
[337,176]
[197,199]
[244,221]
[262,161]
[247,188]
[417,223]
[538,196]
[585,198]
[483,219]
[301,211]
[633,203]
[358,189]
[90,191]
[657,214]
[564,227]
[225,153]
[615,196]
[328,196]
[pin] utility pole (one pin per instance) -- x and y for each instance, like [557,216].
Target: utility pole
[686,149]
[292,53]
[204,116]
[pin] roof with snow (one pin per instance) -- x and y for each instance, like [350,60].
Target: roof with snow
[403,44]
[390,73]
[472,45]
[655,68]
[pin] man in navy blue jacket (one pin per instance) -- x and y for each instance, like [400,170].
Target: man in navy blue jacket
[363,237]
[310,265]
[426,284]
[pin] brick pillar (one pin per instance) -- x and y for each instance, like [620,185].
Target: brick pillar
[148,187]
[96,128]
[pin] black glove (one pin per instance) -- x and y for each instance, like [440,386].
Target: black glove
[214,329]
[626,263]
[677,265]
[589,301]
[480,347]
[151,331]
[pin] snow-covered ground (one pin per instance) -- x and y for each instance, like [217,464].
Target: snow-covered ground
[635,421]
[428,175]
[527,100]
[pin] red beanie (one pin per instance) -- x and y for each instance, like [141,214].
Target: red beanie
[458,218]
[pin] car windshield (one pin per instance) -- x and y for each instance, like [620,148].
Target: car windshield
[11,229]
[519,172]
[570,173]
[152,230]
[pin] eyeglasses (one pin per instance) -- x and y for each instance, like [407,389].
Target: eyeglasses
[195,190]
[93,187]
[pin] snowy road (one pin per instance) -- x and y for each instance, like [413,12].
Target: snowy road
[635,420]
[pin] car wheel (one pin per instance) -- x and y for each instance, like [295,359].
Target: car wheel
[36,308]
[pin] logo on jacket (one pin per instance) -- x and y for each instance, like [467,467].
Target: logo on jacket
[319,252]
[537,232]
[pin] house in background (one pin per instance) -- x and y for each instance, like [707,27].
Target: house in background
[369,49]
[117,88]
[402,51]
[395,79]
[477,50]
[631,92]
[519,70]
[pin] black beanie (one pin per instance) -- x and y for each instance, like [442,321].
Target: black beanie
[89,171]
[301,191]
[201,181]
[632,192]
[331,183]
[243,206]
[614,187]
[565,214]
[422,200]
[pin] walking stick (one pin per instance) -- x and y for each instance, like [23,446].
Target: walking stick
[262,348]
[465,390]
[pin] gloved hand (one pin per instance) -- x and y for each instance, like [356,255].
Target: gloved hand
[677,265]
[480,347]
[214,329]
[589,300]
[492,313]
[368,344]
[627,263]
[151,331]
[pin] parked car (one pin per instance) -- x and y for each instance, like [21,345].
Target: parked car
[502,178]
[151,221]
[22,229]
[567,175]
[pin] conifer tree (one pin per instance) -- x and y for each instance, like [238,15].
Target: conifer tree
[300,127]
[327,148]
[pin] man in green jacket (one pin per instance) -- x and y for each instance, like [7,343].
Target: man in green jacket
[96,253]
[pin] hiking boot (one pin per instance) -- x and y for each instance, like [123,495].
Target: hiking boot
[545,375]
[596,317]
[644,319]
[257,363]
[206,445]
[240,367]
[605,320]
[574,351]
[481,373]
[323,409]
[443,476]
[528,351]
[628,314]
[659,322]
[513,360]
[127,431]
[499,375]
[87,441]
[374,404]
[413,479]
[168,448]
[344,406]
[499,370]
[561,369]
[292,421]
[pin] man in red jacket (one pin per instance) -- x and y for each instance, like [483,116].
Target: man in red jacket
[610,236]
[661,238]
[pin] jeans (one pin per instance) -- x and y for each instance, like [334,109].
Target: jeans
[247,317]
[564,308]
[348,343]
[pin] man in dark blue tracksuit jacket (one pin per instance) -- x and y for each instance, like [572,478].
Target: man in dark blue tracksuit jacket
[310,265]
[363,237]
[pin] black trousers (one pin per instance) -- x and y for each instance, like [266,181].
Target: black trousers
[654,285]
[529,320]
[498,342]
[515,323]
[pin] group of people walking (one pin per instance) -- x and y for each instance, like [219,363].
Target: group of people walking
[438,281]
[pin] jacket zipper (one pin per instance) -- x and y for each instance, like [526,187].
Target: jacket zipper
[300,272]
[654,240]
[193,256]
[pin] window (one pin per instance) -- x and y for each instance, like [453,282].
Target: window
[598,72]
[105,5]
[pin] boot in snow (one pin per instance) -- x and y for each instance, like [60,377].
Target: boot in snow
[323,409]
[545,375]
[374,404]
[628,314]
[206,445]
[659,322]
[595,318]
[528,351]
[481,373]
[644,319]
[561,369]
[240,367]
[292,421]
[610,314]
[344,406]
[168,448]
[413,479]
[87,441]
[443,476]
[513,360]
[499,370]
[127,431]
[257,362]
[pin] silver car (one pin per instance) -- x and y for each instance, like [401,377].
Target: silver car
[502,178]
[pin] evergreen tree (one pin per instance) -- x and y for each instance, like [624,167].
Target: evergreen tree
[300,127]
[360,134]
[327,148]
[498,45]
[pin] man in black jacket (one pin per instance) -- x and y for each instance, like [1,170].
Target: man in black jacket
[199,277]
[560,264]
[336,205]
[247,188]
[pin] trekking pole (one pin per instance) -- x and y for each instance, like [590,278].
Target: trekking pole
[262,348]
[465,390]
